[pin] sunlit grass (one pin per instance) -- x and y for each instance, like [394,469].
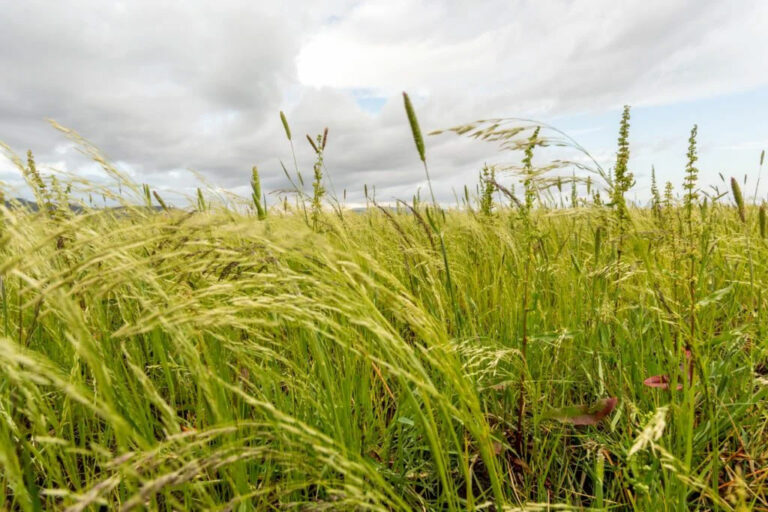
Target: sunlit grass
[222,359]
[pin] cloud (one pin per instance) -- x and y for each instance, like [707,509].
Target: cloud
[163,86]
[159,84]
[562,54]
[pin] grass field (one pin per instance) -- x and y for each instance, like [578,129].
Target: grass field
[505,355]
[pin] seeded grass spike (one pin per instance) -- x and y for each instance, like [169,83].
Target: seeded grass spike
[160,200]
[738,198]
[312,143]
[287,128]
[418,139]
[256,195]
[415,129]
[200,200]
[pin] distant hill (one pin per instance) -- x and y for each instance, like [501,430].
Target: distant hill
[32,206]
[19,202]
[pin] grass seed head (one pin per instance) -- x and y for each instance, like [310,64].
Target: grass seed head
[414,122]
[160,200]
[200,200]
[312,143]
[256,195]
[285,125]
[739,199]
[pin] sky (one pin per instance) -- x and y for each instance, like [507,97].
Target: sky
[179,93]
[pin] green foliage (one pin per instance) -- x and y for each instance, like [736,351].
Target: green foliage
[691,175]
[230,363]
[397,359]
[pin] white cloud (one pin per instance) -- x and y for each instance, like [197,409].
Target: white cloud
[565,54]
[169,85]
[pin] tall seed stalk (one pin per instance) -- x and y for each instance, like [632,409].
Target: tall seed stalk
[318,190]
[432,216]
[691,196]
[529,233]
[287,129]
[298,188]
[623,180]
[418,139]
[692,235]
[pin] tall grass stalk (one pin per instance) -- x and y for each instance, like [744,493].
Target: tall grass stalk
[418,139]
